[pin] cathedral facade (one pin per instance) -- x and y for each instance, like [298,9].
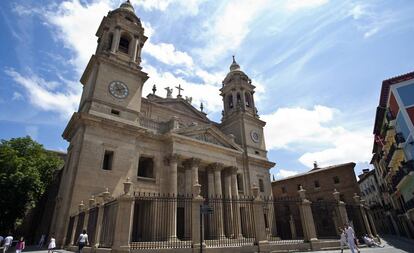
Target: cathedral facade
[161,145]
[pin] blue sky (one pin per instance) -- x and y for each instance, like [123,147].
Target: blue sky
[317,65]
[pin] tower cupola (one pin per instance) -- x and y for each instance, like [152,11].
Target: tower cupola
[237,92]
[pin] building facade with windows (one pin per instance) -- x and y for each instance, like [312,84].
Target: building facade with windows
[160,145]
[320,183]
[393,152]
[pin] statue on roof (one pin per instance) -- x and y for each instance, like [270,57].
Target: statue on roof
[189,99]
[169,92]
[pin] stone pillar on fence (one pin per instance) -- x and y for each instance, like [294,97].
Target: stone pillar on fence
[73,236]
[361,208]
[196,234]
[124,219]
[259,222]
[341,209]
[292,227]
[306,217]
[371,221]
[99,221]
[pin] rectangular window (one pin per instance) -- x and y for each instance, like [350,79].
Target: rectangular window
[261,185]
[316,182]
[240,182]
[283,189]
[115,112]
[107,161]
[336,179]
[146,167]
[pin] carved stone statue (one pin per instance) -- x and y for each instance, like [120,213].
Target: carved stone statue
[189,99]
[169,92]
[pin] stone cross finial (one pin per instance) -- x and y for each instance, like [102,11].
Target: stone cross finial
[169,92]
[154,89]
[127,186]
[179,90]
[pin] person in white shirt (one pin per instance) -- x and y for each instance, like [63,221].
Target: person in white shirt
[343,239]
[350,236]
[83,240]
[52,245]
[7,243]
[370,242]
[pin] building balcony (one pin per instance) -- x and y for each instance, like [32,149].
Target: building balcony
[407,169]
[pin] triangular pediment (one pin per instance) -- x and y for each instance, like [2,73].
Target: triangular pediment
[209,134]
[180,105]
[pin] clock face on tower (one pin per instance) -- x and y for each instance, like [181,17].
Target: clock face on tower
[118,89]
[255,136]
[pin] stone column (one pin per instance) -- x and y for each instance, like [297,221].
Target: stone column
[228,209]
[99,224]
[196,218]
[361,208]
[341,209]
[234,96]
[173,162]
[191,165]
[306,217]
[124,220]
[371,221]
[115,39]
[243,98]
[133,46]
[292,227]
[236,207]
[188,193]
[218,190]
[259,226]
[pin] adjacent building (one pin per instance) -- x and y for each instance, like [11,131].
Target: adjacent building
[393,152]
[320,183]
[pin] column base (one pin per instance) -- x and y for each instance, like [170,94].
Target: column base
[174,239]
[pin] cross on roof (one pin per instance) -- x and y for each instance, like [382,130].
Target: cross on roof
[179,90]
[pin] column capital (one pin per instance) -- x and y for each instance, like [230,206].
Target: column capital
[216,166]
[232,169]
[172,158]
[191,162]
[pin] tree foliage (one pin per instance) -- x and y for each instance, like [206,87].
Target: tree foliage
[26,170]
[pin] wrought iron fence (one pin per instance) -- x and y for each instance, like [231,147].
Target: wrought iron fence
[92,222]
[79,227]
[287,215]
[326,219]
[69,233]
[161,221]
[355,219]
[108,224]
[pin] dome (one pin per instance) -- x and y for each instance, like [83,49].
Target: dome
[127,6]
[234,66]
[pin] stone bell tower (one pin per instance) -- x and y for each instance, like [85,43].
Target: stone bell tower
[113,80]
[240,116]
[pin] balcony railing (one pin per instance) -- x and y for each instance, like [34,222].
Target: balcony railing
[404,170]
[399,138]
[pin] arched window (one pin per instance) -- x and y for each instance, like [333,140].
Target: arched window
[238,98]
[230,101]
[124,44]
[247,97]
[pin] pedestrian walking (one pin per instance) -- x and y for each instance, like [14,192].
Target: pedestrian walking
[350,236]
[42,241]
[83,240]
[20,245]
[342,239]
[52,244]
[7,243]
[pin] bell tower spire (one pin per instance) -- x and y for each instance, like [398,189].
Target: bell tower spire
[240,116]
[113,79]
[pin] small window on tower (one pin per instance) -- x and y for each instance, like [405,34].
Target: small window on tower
[146,167]
[115,112]
[261,185]
[238,99]
[317,184]
[124,45]
[111,36]
[336,179]
[247,96]
[107,160]
[230,101]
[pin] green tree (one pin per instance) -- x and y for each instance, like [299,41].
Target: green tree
[26,169]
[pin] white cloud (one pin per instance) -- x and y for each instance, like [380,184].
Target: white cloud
[42,96]
[302,129]
[294,5]
[183,7]
[228,28]
[17,96]
[358,11]
[282,173]
[166,53]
